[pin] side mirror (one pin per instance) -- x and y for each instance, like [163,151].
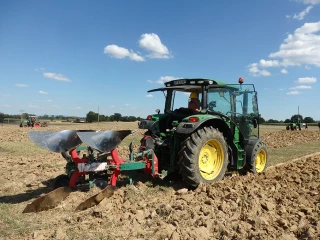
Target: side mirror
[157,111]
[255,123]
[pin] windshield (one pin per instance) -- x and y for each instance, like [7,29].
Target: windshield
[239,102]
[181,99]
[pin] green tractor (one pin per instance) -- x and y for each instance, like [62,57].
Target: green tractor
[294,126]
[203,143]
[32,121]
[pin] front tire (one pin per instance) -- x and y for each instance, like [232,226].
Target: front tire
[258,159]
[203,157]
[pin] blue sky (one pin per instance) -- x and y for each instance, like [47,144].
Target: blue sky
[70,57]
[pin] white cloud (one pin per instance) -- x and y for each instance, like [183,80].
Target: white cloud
[152,43]
[268,63]
[78,108]
[56,76]
[301,15]
[5,105]
[149,96]
[5,95]
[314,2]
[33,106]
[265,73]
[21,85]
[280,89]
[301,87]
[302,47]
[49,100]
[38,69]
[112,106]
[307,67]
[42,92]
[284,71]
[307,80]
[255,71]
[127,104]
[294,93]
[164,79]
[149,81]
[120,52]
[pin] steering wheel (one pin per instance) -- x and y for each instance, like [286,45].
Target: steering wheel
[211,105]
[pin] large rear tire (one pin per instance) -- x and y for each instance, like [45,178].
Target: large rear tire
[258,159]
[203,157]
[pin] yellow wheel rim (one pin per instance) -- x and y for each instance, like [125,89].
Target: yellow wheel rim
[261,161]
[211,159]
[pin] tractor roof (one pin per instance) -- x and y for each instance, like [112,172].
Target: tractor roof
[189,84]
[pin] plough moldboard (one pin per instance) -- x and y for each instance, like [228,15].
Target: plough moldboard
[102,161]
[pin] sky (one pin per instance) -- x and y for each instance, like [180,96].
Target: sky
[71,57]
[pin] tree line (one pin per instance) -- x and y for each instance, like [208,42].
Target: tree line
[116,117]
[95,117]
[294,119]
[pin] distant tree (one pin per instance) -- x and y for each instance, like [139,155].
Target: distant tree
[287,120]
[124,119]
[117,117]
[111,118]
[296,117]
[261,120]
[102,118]
[272,121]
[132,118]
[92,117]
[308,120]
[1,117]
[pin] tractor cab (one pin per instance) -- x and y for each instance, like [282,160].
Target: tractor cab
[235,104]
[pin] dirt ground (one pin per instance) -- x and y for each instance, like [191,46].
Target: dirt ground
[282,203]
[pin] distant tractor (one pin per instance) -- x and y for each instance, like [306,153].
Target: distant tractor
[32,121]
[293,126]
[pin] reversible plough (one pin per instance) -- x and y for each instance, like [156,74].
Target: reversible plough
[101,162]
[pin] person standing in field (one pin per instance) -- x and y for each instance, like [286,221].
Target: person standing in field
[319,125]
[306,126]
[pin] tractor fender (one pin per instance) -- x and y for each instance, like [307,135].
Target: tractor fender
[190,127]
[186,128]
[249,148]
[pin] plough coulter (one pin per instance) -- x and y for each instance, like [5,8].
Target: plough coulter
[216,133]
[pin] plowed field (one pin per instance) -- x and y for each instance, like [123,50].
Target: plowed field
[281,203]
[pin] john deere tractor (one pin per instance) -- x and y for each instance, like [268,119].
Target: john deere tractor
[294,126]
[202,144]
[32,121]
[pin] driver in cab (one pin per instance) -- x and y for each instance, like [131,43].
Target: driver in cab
[194,103]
